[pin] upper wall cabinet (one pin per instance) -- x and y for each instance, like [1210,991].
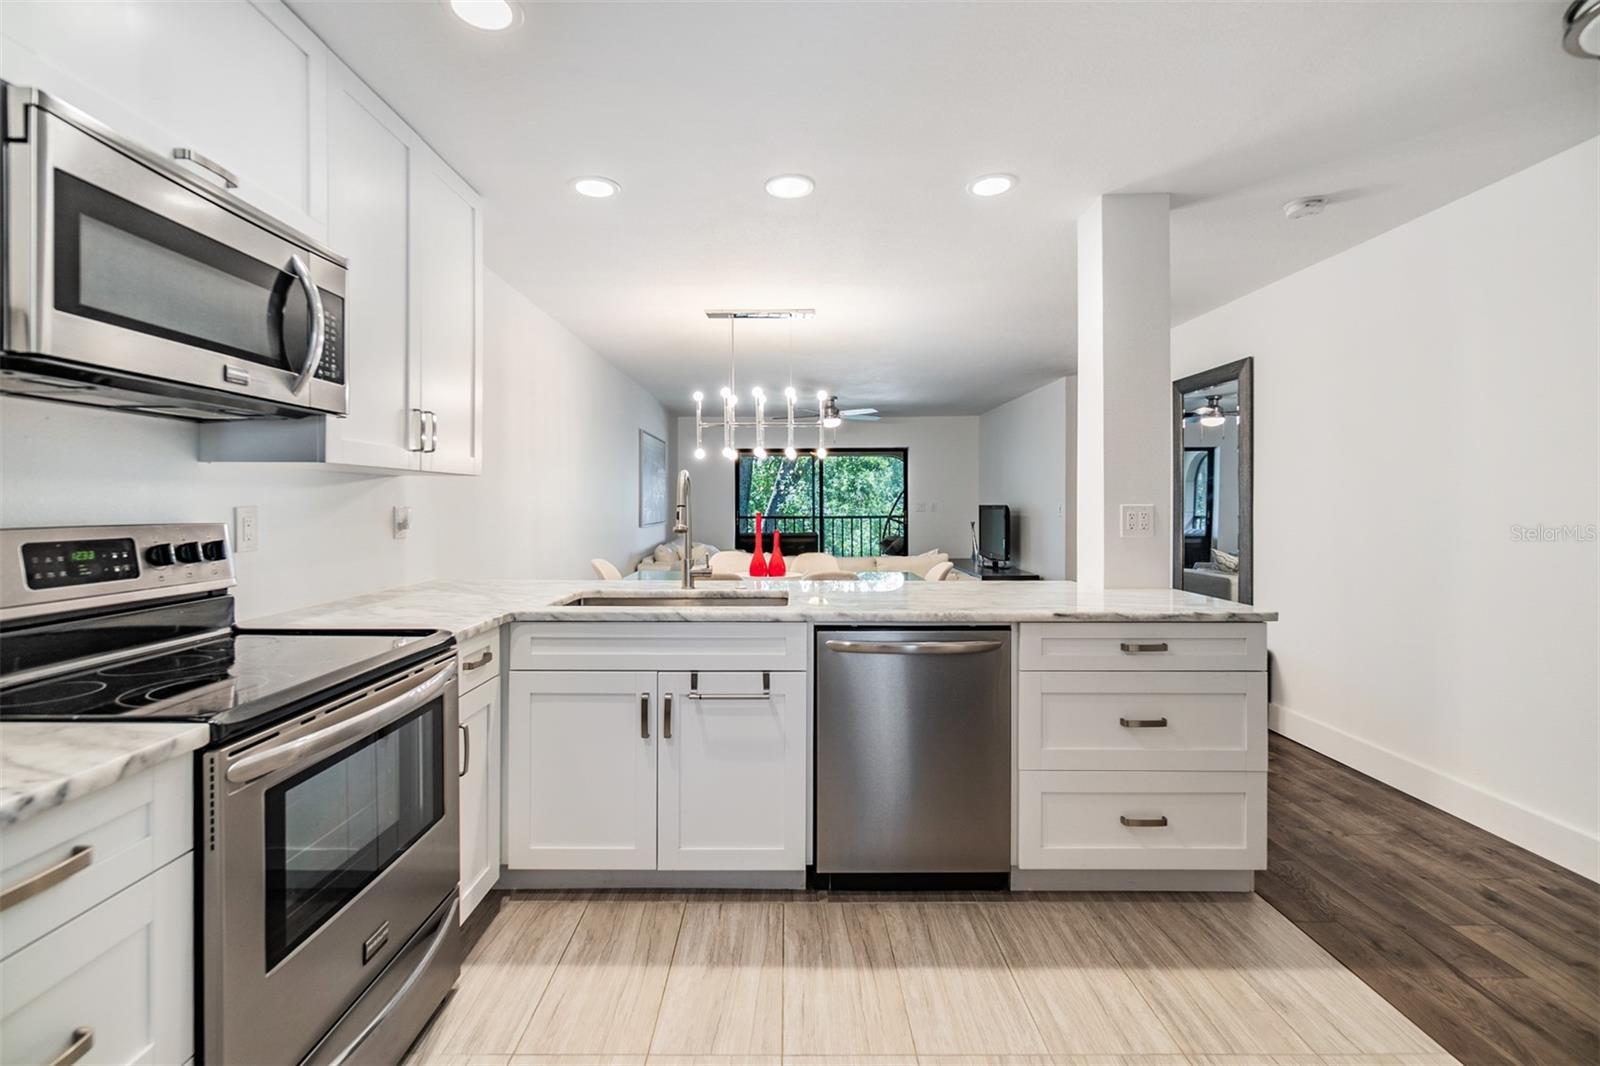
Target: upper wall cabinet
[240,85]
[244,85]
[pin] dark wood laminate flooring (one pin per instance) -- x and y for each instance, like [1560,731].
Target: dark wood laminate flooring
[1489,949]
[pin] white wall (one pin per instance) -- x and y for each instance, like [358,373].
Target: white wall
[559,483]
[943,462]
[1028,451]
[1421,641]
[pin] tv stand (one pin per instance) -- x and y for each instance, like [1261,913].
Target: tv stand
[986,572]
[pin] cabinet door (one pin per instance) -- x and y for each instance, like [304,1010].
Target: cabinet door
[241,83]
[480,794]
[123,969]
[580,771]
[447,300]
[733,772]
[369,188]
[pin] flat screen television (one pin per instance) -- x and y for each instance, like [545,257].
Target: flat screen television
[994,533]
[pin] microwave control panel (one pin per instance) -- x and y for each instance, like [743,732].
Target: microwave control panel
[331,366]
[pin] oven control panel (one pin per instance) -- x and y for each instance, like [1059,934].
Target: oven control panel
[50,564]
[43,571]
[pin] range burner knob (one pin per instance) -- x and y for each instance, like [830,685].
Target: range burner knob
[214,550]
[188,552]
[159,555]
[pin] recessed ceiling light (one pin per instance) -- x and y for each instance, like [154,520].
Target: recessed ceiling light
[790,186]
[992,184]
[595,186]
[489,15]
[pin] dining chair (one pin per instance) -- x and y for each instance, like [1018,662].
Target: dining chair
[806,562]
[731,562]
[605,570]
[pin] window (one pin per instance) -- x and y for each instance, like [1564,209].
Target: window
[1197,492]
[851,503]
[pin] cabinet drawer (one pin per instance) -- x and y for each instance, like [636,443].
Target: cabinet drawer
[658,646]
[1143,646]
[1090,720]
[1075,820]
[478,659]
[123,970]
[127,831]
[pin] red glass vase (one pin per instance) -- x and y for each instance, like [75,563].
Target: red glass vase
[775,565]
[758,561]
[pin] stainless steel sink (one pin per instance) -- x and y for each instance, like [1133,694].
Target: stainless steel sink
[711,600]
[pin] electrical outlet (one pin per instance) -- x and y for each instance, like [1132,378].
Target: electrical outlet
[246,530]
[934,506]
[921,508]
[402,522]
[1138,520]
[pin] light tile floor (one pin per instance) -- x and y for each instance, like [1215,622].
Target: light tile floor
[675,981]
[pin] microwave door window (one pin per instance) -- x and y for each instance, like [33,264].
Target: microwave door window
[333,828]
[119,263]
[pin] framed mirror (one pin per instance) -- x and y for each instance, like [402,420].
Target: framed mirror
[1213,451]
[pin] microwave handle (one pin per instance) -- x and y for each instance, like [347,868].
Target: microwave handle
[317,335]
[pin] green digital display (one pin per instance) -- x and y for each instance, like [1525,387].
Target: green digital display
[83,555]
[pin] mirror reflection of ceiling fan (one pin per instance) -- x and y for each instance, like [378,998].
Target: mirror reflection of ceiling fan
[1212,411]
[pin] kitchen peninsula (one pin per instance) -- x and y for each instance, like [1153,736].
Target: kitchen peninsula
[1138,726]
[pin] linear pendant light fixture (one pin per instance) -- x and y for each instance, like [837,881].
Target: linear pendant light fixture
[825,418]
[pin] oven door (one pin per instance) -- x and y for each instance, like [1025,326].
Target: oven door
[331,842]
[124,274]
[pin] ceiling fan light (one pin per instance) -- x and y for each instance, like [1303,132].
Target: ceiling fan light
[1582,37]
[1213,420]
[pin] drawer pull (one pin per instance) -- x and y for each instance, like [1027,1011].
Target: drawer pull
[1143,723]
[82,1042]
[695,694]
[481,661]
[644,716]
[666,717]
[76,862]
[1133,648]
[1145,823]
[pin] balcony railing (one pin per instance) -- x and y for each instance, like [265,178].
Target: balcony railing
[839,535]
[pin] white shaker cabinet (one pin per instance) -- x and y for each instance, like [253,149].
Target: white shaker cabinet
[581,770]
[480,792]
[239,83]
[732,768]
[447,305]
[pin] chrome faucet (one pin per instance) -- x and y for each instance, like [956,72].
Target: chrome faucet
[681,524]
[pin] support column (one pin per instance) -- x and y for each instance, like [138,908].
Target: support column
[1124,389]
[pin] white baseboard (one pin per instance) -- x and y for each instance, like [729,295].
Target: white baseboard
[1558,841]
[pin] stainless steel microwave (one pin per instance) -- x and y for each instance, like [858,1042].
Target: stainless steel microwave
[132,283]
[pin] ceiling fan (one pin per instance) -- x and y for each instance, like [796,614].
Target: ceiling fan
[832,416]
[1212,412]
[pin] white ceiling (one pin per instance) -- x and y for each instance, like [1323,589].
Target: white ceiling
[930,300]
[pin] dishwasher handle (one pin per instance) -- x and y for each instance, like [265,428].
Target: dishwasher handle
[914,647]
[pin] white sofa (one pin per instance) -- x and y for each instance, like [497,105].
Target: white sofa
[668,555]
[913,564]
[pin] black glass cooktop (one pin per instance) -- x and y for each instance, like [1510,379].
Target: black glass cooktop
[234,682]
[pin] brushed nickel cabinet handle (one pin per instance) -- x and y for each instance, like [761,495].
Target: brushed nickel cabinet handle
[644,716]
[76,861]
[1143,723]
[1145,823]
[230,180]
[1133,648]
[483,660]
[466,749]
[666,717]
[82,1041]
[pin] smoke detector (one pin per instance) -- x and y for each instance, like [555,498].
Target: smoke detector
[1305,207]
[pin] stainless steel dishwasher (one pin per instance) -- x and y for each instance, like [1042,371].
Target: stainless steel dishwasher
[913,750]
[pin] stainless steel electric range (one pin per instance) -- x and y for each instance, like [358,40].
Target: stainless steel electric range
[326,801]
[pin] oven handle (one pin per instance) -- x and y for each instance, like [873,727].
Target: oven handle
[318,333]
[445,927]
[268,760]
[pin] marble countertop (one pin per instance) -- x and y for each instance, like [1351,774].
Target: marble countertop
[468,608]
[46,764]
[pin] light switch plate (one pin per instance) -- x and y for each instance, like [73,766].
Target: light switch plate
[402,522]
[1138,520]
[246,530]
